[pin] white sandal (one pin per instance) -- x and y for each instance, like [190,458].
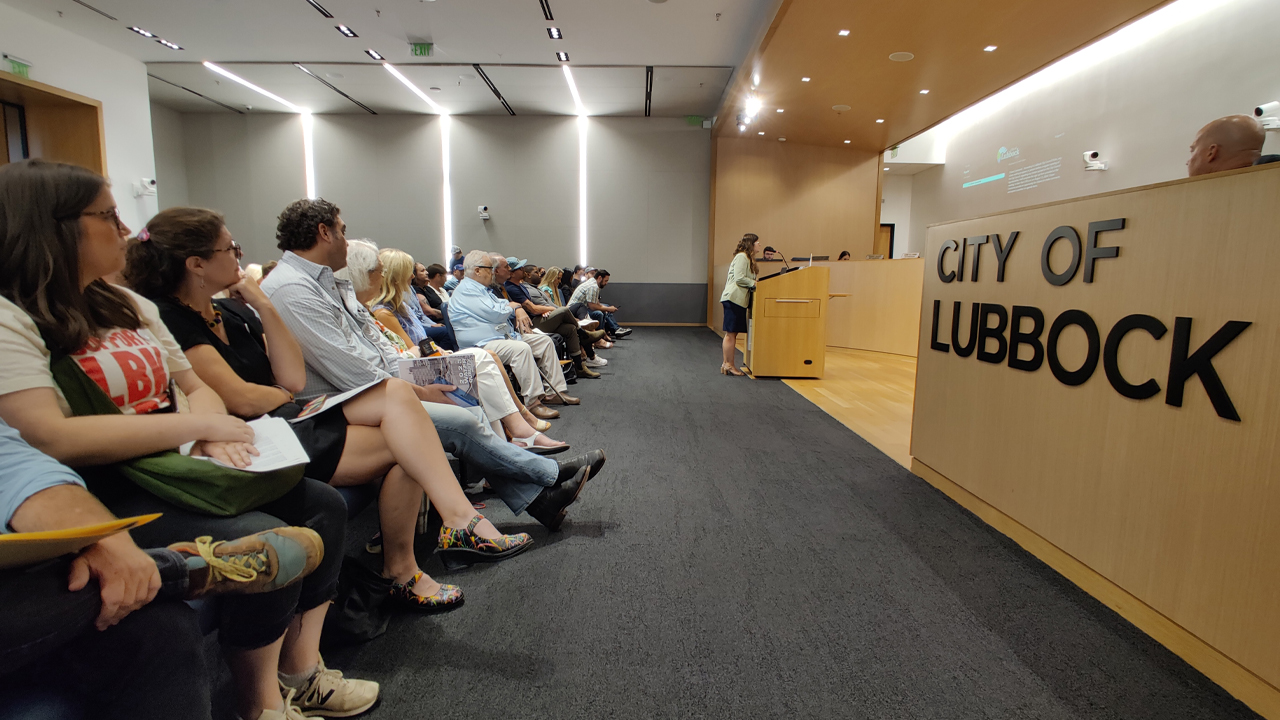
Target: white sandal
[528,444]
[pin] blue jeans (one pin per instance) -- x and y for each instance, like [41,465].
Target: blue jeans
[516,475]
[440,334]
[606,321]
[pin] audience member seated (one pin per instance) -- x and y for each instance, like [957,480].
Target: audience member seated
[588,293]
[419,285]
[107,625]
[343,351]
[396,306]
[249,357]
[69,340]
[771,254]
[456,274]
[547,317]
[1228,143]
[364,270]
[844,255]
[481,319]
[433,289]
[456,258]
[550,285]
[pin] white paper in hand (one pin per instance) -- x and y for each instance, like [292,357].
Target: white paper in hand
[277,445]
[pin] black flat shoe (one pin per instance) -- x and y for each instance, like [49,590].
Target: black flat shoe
[571,466]
[552,504]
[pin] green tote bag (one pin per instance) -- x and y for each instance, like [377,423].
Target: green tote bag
[191,483]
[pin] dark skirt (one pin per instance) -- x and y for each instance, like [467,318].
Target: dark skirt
[323,436]
[735,317]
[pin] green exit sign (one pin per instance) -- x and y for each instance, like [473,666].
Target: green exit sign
[421,49]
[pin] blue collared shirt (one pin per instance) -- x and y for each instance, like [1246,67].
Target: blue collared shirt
[478,316]
[27,471]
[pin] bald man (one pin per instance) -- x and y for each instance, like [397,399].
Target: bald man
[1234,141]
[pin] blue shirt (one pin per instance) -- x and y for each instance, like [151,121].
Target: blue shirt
[27,471]
[450,284]
[515,292]
[479,317]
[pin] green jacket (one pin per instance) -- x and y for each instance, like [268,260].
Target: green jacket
[740,280]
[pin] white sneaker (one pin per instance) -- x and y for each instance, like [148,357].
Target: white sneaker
[597,361]
[328,694]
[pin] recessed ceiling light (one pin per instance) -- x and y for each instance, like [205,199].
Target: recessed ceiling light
[434,89]
[902,57]
[334,76]
[760,133]
[742,127]
[755,79]
[990,48]
[345,30]
[374,54]
[554,33]
[843,33]
[780,110]
[880,120]
[142,32]
[320,8]
[804,79]
[846,142]
[166,43]
[562,57]
[924,92]
[841,108]
[886,169]
[753,106]
[782,139]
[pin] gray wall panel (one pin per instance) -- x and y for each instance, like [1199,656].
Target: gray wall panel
[657,302]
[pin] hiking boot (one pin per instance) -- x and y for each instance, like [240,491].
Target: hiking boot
[328,694]
[257,563]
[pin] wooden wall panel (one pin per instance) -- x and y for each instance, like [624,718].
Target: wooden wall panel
[797,198]
[1177,506]
[882,312]
[61,126]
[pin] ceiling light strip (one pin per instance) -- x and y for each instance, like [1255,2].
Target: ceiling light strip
[330,85]
[308,153]
[82,3]
[494,88]
[346,31]
[648,90]
[546,10]
[573,90]
[582,184]
[251,86]
[193,92]
[416,90]
[320,8]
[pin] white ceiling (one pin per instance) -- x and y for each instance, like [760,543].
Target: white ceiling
[693,52]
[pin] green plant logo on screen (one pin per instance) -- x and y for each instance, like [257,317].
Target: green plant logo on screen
[1005,153]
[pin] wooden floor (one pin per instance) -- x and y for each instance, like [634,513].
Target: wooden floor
[871,393]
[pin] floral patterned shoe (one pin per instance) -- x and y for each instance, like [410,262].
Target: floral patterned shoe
[461,547]
[448,597]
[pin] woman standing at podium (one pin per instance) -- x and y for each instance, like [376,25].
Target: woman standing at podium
[736,297]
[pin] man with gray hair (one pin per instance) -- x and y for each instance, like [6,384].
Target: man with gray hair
[481,319]
[1228,143]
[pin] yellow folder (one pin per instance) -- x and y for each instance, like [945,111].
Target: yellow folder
[19,549]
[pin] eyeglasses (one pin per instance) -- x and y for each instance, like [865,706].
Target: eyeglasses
[112,213]
[234,248]
[484,267]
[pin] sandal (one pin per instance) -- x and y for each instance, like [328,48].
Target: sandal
[528,444]
[460,547]
[448,597]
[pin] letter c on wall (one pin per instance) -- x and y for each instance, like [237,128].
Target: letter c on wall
[948,245]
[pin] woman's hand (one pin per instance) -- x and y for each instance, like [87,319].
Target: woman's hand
[248,292]
[235,454]
[215,427]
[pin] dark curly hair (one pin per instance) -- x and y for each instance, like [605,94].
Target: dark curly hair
[156,268]
[298,225]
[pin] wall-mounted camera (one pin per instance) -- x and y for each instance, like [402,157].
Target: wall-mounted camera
[144,186]
[1093,160]
[1268,115]
[484,211]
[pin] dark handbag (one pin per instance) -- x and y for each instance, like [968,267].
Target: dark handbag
[192,483]
[359,613]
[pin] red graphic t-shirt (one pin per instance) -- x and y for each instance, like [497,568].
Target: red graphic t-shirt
[129,367]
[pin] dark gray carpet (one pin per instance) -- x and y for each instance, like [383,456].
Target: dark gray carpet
[743,554]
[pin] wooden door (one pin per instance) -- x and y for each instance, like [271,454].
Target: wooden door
[884,241]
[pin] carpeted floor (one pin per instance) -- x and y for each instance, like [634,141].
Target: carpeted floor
[745,555]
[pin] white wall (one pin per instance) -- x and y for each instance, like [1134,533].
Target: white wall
[171,161]
[69,61]
[895,193]
[1141,108]
[648,185]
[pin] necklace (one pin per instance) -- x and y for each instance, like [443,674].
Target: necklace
[213,324]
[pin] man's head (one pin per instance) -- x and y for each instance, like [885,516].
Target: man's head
[459,270]
[313,227]
[457,252]
[501,270]
[435,275]
[479,267]
[517,267]
[602,277]
[588,273]
[1234,141]
[533,274]
[770,253]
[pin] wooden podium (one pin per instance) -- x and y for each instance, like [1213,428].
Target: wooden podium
[788,335]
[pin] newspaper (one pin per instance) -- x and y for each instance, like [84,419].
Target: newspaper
[458,370]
